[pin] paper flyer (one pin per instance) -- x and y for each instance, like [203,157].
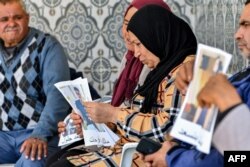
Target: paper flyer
[194,124]
[76,92]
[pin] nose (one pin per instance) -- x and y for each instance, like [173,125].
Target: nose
[11,22]
[137,53]
[238,35]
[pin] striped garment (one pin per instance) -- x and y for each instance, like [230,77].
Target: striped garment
[132,125]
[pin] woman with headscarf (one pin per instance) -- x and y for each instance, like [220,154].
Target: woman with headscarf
[132,72]
[162,41]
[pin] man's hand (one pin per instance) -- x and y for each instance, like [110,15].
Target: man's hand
[184,76]
[158,159]
[220,92]
[34,148]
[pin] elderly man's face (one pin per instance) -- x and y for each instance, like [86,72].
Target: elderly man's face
[13,23]
[242,35]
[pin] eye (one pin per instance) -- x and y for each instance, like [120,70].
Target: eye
[138,44]
[245,24]
[129,41]
[18,17]
[3,19]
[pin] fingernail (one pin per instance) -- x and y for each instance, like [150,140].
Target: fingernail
[26,157]
[32,159]
[39,158]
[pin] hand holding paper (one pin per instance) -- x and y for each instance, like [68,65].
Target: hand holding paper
[76,92]
[101,112]
[195,124]
[219,91]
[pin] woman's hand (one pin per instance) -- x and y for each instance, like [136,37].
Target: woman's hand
[101,112]
[61,127]
[77,122]
[184,76]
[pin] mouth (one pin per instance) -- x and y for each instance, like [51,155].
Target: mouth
[11,30]
[241,44]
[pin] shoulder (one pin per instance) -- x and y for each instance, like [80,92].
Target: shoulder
[189,58]
[44,37]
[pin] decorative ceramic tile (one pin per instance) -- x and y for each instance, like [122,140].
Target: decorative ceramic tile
[90,31]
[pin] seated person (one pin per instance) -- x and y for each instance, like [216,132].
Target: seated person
[31,63]
[132,73]
[162,41]
[230,133]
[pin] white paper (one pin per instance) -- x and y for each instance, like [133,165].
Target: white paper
[76,92]
[70,135]
[194,124]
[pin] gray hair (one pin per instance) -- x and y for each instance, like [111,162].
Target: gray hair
[4,2]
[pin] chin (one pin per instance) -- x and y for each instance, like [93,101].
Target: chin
[246,55]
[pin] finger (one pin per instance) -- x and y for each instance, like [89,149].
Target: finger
[76,118]
[203,97]
[61,130]
[45,149]
[33,150]
[61,124]
[27,150]
[39,151]
[200,100]
[154,164]
[181,85]
[23,147]
[74,114]
[87,104]
[78,129]
[189,70]
[77,122]
[182,81]
[148,164]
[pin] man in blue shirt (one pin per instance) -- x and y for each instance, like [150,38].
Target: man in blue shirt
[31,62]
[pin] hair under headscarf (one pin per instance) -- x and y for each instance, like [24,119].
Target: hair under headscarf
[167,37]
[129,77]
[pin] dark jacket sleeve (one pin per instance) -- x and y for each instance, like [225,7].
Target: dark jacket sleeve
[188,157]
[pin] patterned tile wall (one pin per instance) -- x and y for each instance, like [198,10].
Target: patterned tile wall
[90,31]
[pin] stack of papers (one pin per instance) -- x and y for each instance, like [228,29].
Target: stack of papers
[76,92]
[194,124]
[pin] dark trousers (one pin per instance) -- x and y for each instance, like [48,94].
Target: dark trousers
[59,159]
